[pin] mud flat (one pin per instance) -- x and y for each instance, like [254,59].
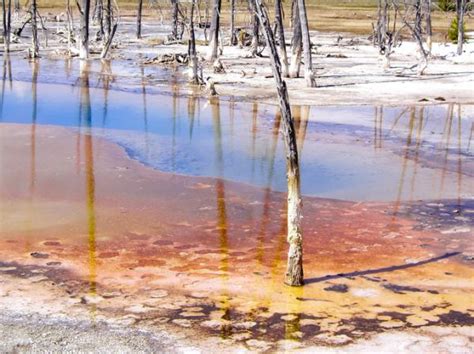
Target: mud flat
[84,237]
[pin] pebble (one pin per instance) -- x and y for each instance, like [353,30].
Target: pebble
[244,325]
[333,339]
[258,344]
[182,322]
[392,324]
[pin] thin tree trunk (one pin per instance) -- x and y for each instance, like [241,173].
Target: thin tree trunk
[34,30]
[108,19]
[233,37]
[84,41]
[17,5]
[214,32]
[429,28]
[308,61]
[460,8]
[294,272]
[139,19]
[192,47]
[296,43]
[253,14]
[174,15]
[99,15]
[6,24]
[281,37]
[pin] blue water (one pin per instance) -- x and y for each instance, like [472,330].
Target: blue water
[353,153]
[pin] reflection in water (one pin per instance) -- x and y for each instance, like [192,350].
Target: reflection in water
[339,161]
[222,226]
[86,119]
[34,115]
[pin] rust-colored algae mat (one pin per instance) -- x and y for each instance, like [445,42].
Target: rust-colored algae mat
[86,231]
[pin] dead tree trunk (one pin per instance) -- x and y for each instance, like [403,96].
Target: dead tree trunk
[281,37]
[108,19]
[194,78]
[294,272]
[174,27]
[214,32]
[429,28]
[308,62]
[233,37]
[16,5]
[84,40]
[34,30]
[253,14]
[6,24]
[296,43]
[460,10]
[139,19]
[99,17]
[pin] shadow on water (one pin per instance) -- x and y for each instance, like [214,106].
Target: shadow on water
[381,270]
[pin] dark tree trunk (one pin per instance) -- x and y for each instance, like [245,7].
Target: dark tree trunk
[6,10]
[139,19]
[460,9]
[99,16]
[294,272]
[84,40]
[296,43]
[281,37]
[214,32]
[108,19]
[34,30]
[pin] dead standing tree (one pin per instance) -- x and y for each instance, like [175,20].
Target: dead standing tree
[294,272]
[280,29]
[296,42]
[413,19]
[214,32]
[34,53]
[460,11]
[139,19]
[84,10]
[7,12]
[308,62]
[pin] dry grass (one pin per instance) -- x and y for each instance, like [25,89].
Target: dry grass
[355,16]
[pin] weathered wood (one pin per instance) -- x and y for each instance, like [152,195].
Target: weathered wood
[294,272]
[308,61]
[193,62]
[34,30]
[174,15]
[214,31]
[6,16]
[139,19]
[460,10]
[429,27]
[84,41]
[296,43]
[108,43]
[281,37]
[233,36]
[254,16]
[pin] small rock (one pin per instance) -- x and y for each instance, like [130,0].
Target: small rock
[182,322]
[39,255]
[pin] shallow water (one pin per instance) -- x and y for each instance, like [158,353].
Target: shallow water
[351,153]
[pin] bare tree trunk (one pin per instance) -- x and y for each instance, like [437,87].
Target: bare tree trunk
[192,47]
[34,30]
[429,28]
[139,19]
[233,37]
[6,24]
[294,272]
[214,35]
[253,14]
[308,62]
[174,27]
[99,16]
[418,34]
[281,37]
[460,9]
[296,43]
[108,19]
[17,5]
[84,41]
